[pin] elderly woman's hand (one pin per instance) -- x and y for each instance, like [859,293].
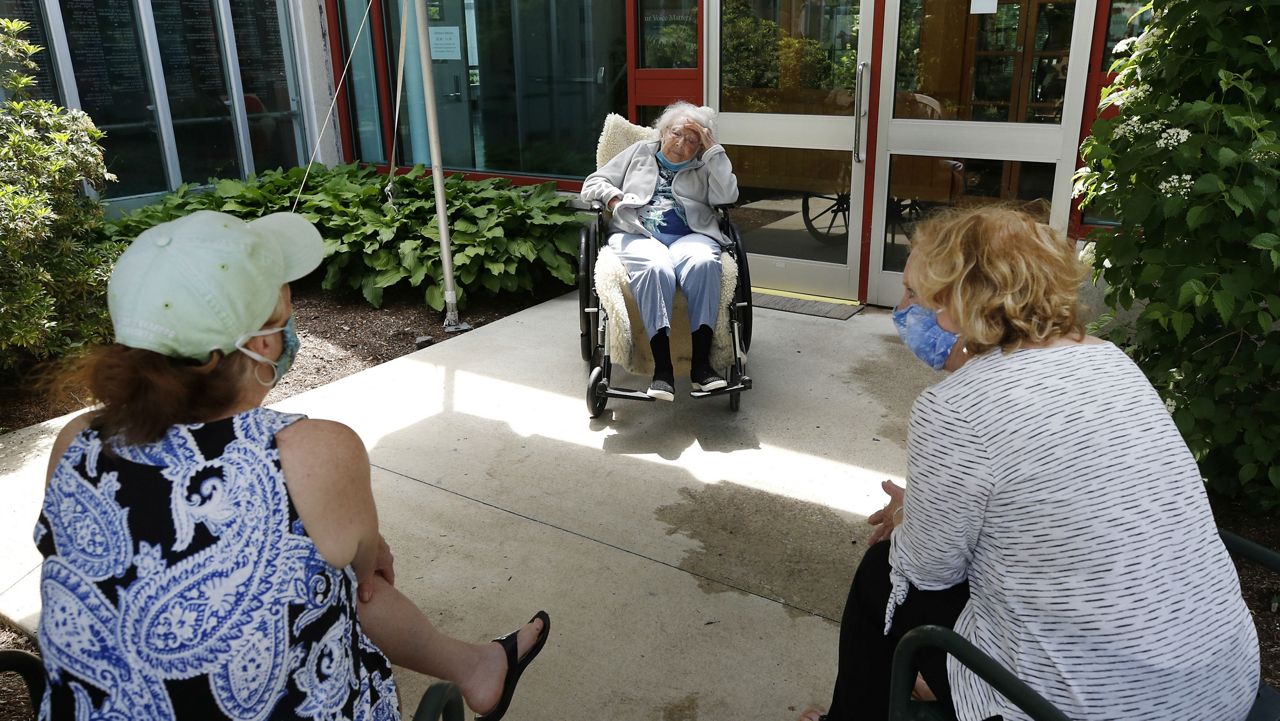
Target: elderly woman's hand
[888,517]
[704,135]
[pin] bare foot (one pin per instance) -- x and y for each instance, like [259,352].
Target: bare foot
[483,687]
[812,714]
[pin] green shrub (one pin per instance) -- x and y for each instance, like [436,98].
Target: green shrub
[53,266]
[505,238]
[1191,167]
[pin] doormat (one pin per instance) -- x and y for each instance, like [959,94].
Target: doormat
[806,305]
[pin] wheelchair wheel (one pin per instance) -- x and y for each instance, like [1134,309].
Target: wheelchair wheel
[597,386]
[735,375]
[586,280]
[826,217]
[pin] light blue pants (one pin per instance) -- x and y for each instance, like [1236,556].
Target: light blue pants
[654,268]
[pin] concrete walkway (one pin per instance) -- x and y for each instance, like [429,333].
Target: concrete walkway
[694,561]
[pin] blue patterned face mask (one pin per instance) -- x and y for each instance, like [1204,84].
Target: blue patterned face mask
[920,331]
[674,167]
[281,365]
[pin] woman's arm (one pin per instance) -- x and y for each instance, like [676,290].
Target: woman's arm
[64,440]
[326,470]
[722,184]
[606,183]
[949,482]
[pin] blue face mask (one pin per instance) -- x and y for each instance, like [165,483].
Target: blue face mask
[281,365]
[921,333]
[674,167]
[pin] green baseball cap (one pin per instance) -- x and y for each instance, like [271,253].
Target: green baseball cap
[202,282]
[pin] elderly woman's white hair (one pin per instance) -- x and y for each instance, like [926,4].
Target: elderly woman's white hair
[680,110]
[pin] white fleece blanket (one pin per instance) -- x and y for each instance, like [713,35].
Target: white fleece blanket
[617,135]
[628,342]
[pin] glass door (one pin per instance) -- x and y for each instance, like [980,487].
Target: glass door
[788,78]
[974,109]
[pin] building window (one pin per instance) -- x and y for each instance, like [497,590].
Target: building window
[46,87]
[521,87]
[1010,66]
[187,91]
[114,87]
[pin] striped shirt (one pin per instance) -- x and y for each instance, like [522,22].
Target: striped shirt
[1056,483]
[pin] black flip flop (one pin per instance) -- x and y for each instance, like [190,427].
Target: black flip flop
[516,666]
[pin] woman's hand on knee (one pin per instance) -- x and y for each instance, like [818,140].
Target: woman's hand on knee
[382,570]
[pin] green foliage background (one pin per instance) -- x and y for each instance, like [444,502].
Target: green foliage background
[1191,166]
[53,264]
[505,238]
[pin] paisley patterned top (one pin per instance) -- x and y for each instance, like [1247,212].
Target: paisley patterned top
[178,582]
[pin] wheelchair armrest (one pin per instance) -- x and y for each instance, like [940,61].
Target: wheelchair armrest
[1246,549]
[29,667]
[983,666]
[441,702]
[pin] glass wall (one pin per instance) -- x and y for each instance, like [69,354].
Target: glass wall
[110,68]
[1010,66]
[46,88]
[522,86]
[270,83]
[191,132]
[195,76]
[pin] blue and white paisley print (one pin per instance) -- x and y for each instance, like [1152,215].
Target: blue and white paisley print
[225,587]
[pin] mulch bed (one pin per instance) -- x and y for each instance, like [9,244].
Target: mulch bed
[341,335]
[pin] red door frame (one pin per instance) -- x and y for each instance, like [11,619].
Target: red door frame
[873,127]
[660,86]
[1099,78]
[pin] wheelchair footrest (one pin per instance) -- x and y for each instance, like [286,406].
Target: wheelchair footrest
[742,385]
[628,394]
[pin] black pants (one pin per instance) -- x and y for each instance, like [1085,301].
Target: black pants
[862,681]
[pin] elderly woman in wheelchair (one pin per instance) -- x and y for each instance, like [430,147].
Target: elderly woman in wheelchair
[664,229]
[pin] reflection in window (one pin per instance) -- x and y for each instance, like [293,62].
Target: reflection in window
[668,33]
[796,58]
[270,88]
[196,79]
[922,185]
[521,87]
[1009,66]
[793,203]
[111,77]
[46,88]
[1128,20]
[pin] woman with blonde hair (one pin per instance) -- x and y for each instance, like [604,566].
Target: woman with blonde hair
[203,554]
[1053,515]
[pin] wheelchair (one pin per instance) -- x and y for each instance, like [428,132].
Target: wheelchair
[595,328]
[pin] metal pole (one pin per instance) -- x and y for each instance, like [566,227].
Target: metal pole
[451,323]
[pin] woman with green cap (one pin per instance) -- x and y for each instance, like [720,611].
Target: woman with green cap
[209,558]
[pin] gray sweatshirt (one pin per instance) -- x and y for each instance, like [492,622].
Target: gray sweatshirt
[632,175]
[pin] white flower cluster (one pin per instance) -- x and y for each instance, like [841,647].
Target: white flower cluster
[1134,127]
[1172,138]
[1179,185]
[1124,46]
[1264,157]
[1173,105]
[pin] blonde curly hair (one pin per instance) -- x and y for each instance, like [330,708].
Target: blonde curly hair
[1005,278]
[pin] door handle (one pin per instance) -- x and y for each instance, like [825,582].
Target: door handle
[859,112]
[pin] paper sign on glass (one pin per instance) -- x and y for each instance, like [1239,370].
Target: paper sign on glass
[982,7]
[446,43]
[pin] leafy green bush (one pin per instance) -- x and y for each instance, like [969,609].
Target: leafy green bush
[505,238]
[1191,166]
[53,266]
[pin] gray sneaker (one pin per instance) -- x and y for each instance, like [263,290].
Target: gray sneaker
[661,390]
[707,380]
